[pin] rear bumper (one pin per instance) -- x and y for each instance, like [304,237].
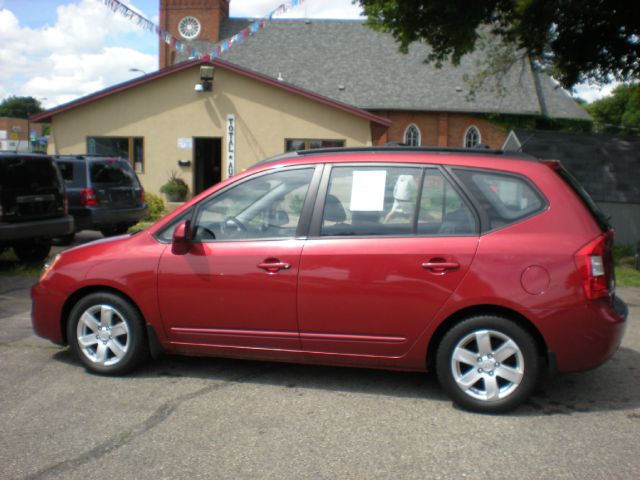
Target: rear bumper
[97,218]
[590,337]
[47,228]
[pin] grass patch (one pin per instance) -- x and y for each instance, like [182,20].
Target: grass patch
[627,277]
[10,265]
[142,225]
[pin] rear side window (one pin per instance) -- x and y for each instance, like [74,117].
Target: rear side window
[394,201]
[505,198]
[111,171]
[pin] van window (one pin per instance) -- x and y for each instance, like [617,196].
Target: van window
[505,198]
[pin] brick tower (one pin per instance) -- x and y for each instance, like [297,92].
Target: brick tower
[190,21]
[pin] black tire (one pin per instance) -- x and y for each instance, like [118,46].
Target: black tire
[120,343]
[480,381]
[65,240]
[114,230]
[32,251]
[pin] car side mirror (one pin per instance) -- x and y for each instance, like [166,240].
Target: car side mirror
[181,241]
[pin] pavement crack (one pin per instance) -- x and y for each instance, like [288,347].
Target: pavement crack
[161,414]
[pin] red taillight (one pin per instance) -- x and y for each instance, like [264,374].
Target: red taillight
[88,197]
[141,197]
[595,264]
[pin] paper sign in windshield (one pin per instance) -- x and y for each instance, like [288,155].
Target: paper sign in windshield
[367,191]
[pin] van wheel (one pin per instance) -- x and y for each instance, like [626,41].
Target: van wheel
[106,334]
[32,251]
[65,240]
[487,364]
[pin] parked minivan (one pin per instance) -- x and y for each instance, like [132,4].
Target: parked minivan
[485,268]
[33,207]
[104,193]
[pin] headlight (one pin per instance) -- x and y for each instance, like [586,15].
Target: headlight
[48,266]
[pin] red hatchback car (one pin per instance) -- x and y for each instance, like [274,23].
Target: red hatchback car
[482,267]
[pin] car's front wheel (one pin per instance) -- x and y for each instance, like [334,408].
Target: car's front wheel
[487,364]
[106,333]
[32,251]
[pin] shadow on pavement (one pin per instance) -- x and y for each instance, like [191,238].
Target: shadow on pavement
[613,386]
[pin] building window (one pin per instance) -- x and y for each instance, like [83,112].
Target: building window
[294,144]
[131,148]
[472,137]
[412,136]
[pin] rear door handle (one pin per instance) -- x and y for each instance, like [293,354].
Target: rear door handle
[273,265]
[436,266]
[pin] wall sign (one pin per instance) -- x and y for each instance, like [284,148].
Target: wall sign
[231,145]
[185,143]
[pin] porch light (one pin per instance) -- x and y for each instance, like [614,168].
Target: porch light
[206,79]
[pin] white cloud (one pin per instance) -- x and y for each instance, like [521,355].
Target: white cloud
[592,92]
[308,9]
[70,58]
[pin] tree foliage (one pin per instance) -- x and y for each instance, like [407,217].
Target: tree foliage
[619,113]
[19,107]
[575,40]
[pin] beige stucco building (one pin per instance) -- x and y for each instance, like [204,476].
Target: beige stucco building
[163,125]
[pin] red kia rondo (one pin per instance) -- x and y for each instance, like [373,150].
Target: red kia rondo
[483,267]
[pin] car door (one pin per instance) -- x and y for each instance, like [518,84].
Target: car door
[391,244]
[237,284]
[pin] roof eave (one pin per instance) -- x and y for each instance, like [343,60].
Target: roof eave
[47,115]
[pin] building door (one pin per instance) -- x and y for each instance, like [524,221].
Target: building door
[207,158]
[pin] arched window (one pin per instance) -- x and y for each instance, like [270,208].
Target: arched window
[472,137]
[412,136]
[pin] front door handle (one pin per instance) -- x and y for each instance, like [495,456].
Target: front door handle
[440,267]
[273,265]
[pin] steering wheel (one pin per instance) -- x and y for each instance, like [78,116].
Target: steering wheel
[232,225]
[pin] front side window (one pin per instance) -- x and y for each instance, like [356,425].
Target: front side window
[393,201]
[294,144]
[266,207]
[412,136]
[130,148]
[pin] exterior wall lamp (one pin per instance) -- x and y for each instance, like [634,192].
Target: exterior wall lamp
[206,79]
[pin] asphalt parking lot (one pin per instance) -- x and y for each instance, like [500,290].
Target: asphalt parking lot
[214,418]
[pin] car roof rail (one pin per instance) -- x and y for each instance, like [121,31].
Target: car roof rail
[480,150]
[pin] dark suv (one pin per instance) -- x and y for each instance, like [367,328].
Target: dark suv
[32,205]
[104,193]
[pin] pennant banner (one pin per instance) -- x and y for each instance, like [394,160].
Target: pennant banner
[116,6]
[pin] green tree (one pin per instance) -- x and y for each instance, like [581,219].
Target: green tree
[19,107]
[575,40]
[619,113]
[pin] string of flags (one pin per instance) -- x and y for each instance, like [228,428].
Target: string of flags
[116,6]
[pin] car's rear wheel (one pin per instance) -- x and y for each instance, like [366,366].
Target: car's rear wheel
[487,364]
[33,251]
[106,333]
[114,230]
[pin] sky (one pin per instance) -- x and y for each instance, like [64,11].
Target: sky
[59,50]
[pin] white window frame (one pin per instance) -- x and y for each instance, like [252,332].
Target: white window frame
[464,138]
[419,134]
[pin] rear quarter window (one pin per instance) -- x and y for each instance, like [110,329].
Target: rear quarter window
[505,198]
